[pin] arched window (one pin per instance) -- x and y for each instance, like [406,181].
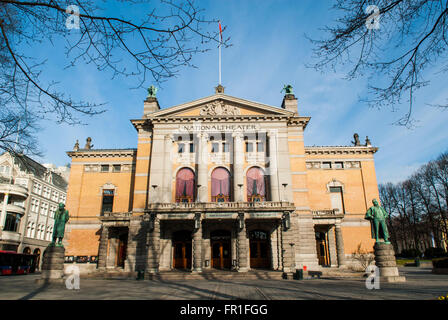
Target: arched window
[220,185]
[185,185]
[256,186]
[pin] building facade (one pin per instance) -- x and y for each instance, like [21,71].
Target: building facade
[29,196]
[220,182]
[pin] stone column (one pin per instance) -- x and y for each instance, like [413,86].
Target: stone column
[102,249]
[3,215]
[238,161]
[202,160]
[287,247]
[332,247]
[197,249]
[167,172]
[242,247]
[273,166]
[152,265]
[339,245]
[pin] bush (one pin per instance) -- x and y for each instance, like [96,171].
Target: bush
[410,253]
[440,263]
[435,253]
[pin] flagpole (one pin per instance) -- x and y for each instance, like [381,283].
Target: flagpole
[220,63]
[219,49]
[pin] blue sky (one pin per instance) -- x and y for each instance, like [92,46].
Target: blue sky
[269,50]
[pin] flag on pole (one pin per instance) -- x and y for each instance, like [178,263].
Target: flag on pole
[220,30]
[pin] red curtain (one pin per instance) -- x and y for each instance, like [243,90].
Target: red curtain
[220,182]
[185,183]
[255,175]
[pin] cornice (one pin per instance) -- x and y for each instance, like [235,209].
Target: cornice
[102,153]
[338,150]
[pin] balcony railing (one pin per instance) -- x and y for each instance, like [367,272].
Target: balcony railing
[222,206]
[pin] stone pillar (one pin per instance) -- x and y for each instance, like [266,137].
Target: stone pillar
[167,169]
[242,246]
[53,264]
[238,161]
[152,265]
[385,261]
[3,215]
[288,250]
[102,249]
[332,247]
[273,166]
[202,160]
[340,245]
[197,249]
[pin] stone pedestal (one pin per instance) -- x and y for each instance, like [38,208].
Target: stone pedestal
[53,265]
[385,261]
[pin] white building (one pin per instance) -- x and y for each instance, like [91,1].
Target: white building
[29,196]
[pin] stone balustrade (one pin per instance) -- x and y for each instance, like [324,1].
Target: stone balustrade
[222,206]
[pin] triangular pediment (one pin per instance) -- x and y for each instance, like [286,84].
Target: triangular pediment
[221,105]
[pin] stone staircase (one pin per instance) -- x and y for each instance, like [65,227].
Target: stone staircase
[173,275]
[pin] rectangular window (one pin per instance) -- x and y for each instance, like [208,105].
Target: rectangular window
[191,147]
[215,147]
[180,148]
[104,168]
[108,201]
[249,147]
[339,165]
[326,165]
[117,167]
[260,147]
[225,147]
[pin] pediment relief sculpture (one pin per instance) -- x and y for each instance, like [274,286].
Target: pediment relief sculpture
[219,108]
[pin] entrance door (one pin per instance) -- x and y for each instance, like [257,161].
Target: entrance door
[322,249]
[182,250]
[259,249]
[221,253]
[121,249]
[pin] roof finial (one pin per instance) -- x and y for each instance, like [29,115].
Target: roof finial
[219,89]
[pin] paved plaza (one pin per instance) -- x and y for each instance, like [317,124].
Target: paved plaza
[421,284]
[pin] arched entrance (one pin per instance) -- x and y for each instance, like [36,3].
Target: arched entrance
[182,249]
[36,252]
[221,252]
[259,249]
[27,250]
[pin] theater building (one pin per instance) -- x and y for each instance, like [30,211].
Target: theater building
[219,183]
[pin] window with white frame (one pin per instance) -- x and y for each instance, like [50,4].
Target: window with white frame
[35,205]
[54,196]
[33,230]
[52,211]
[28,229]
[63,198]
[44,209]
[37,187]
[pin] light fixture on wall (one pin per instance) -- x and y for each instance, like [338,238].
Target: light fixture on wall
[197,221]
[286,220]
[241,220]
[284,191]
